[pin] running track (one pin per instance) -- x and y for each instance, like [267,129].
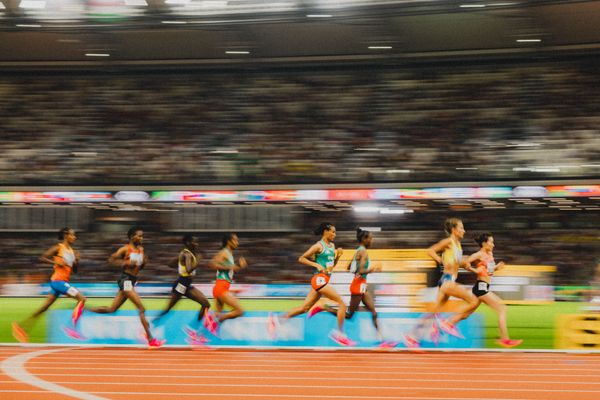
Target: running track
[133,373]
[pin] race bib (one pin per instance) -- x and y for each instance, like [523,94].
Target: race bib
[180,288]
[491,266]
[483,286]
[321,281]
[136,259]
[127,286]
[363,288]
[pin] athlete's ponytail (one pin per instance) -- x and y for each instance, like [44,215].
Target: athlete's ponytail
[131,232]
[450,224]
[325,226]
[63,232]
[481,239]
[226,238]
[361,234]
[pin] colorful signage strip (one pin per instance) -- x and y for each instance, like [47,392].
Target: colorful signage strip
[483,192]
[252,330]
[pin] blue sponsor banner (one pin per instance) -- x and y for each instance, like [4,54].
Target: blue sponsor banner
[109,289]
[124,327]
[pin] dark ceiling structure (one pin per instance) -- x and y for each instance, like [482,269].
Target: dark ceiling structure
[75,33]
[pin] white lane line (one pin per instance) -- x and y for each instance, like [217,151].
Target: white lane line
[358,352]
[374,356]
[331,375]
[309,349]
[14,367]
[290,368]
[239,385]
[383,364]
[296,396]
[170,379]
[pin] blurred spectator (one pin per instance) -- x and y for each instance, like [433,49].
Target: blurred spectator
[474,122]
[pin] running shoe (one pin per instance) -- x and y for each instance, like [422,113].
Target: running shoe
[210,323]
[315,310]
[341,338]
[19,333]
[73,333]
[434,334]
[272,323]
[388,344]
[411,343]
[198,342]
[508,343]
[450,329]
[77,311]
[190,332]
[155,343]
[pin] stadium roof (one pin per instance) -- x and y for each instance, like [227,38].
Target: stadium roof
[218,32]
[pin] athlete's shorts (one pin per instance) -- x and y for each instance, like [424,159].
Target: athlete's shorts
[445,278]
[182,285]
[126,282]
[481,288]
[358,286]
[221,287]
[62,287]
[319,281]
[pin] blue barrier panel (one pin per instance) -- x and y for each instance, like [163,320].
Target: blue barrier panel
[109,289]
[124,327]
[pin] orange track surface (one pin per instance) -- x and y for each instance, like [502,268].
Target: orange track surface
[127,373]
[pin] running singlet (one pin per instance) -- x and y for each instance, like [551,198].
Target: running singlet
[326,258]
[354,264]
[453,254]
[226,275]
[63,273]
[134,258]
[486,266]
[181,267]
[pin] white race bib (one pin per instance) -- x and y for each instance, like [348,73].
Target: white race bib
[483,286]
[363,288]
[127,286]
[136,259]
[321,281]
[180,288]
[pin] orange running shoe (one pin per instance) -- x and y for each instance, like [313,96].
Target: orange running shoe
[19,333]
[508,343]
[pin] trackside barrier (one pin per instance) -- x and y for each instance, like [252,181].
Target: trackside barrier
[124,327]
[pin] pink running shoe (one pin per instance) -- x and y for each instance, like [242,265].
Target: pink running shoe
[449,328]
[73,333]
[77,311]
[19,333]
[155,343]
[199,341]
[341,338]
[192,334]
[211,323]
[272,325]
[434,334]
[388,344]
[411,343]
[508,343]
[315,310]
